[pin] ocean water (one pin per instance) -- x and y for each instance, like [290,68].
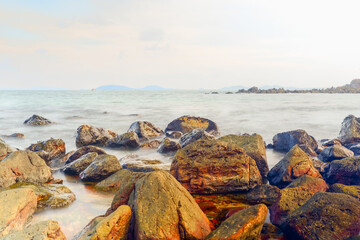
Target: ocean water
[319,114]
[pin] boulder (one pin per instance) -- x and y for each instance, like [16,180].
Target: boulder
[36,120]
[195,135]
[76,167]
[294,164]
[102,166]
[208,167]
[324,216]
[254,146]
[320,166]
[168,146]
[353,191]
[84,150]
[115,181]
[90,135]
[49,195]
[283,142]
[245,224]
[23,166]
[332,142]
[50,149]
[5,149]
[355,149]
[114,226]
[154,144]
[309,184]
[180,219]
[335,152]
[45,230]
[345,171]
[186,124]
[16,207]
[264,193]
[350,130]
[145,130]
[127,140]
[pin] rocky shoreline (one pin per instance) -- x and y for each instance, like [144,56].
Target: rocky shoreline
[215,187]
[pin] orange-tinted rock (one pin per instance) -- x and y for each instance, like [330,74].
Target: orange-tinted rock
[186,124]
[212,166]
[245,224]
[50,149]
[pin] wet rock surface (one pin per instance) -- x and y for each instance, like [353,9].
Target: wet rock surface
[186,124]
[335,152]
[101,167]
[129,140]
[350,130]
[168,146]
[115,181]
[195,135]
[90,135]
[345,171]
[49,149]
[84,150]
[76,167]
[36,120]
[264,193]
[145,130]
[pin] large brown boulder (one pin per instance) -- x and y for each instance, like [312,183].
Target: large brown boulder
[23,166]
[90,135]
[36,120]
[84,150]
[212,166]
[49,149]
[114,226]
[283,142]
[243,225]
[45,230]
[181,218]
[254,146]
[345,171]
[16,207]
[186,124]
[76,167]
[335,152]
[101,167]
[324,216]
[350,130]
[145,130]
[295,164]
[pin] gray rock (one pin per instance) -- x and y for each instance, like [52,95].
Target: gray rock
[350,130]
[345,171]
[335,152]
[80,164]
[103,166]
[129,140]
[36,120]
[355,149]
[195,135]
[168,146]
[82,151]
[145,130]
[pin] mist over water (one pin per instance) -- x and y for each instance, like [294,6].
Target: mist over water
[319,114]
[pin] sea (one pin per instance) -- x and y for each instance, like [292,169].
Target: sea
[320,115]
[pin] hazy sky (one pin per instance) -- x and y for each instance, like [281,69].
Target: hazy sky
[178,44]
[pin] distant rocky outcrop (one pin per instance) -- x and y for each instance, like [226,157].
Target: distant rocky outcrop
[36,120]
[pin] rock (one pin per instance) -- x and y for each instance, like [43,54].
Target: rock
[76,167]
[355,149]
[195,135]
[16,207]
[294,164]
[50,149]
[49,195]
[264,193]
[186,124]
[330,143]
[319,165]
[114,181]
[90,135]
[350,130]
[45,230]
[254,146]
[36,120]
[174,134]
[14,135]
[324,216]
[283,142]
[335,152]
[84,150]
[208,167]
[180,219]
[23,166]
[151,145]
[146,166]
[309,184]
[271,232]
[345,171]
[5,149]
[246,224]
[145,130]
[127,140]
[353,191]
[102,166]
[114,226]
[168,146]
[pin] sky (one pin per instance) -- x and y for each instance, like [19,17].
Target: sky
[187,44]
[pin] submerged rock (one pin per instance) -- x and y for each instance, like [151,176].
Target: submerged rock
[285,141]
[16,207]
[23,166]
[345,171]
[102,166]
[49,149]
[36,120]
[195,135]
[295,164]
[45,230]
[186,124]
[114,226]
[350,130]
[127,140]
[145,130]
[243,225]
[254,146]
[76,167]
[168,146]
[324,216]
[90,135]
[180,219]
[335,152]
[84,150]
[207,167]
